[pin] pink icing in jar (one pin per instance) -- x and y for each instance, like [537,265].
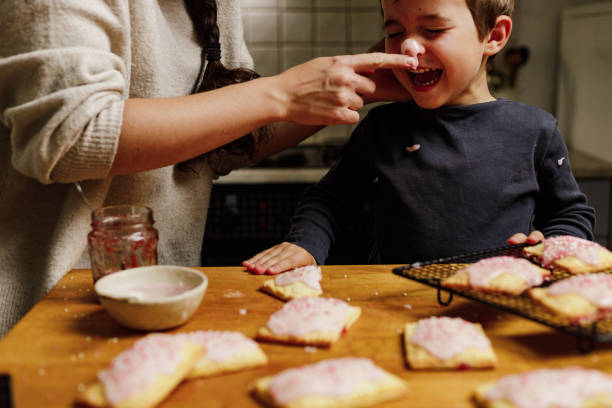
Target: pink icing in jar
[122,237]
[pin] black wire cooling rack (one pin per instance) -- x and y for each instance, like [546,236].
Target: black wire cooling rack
[433,272]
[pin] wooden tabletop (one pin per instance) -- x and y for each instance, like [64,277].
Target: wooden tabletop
[60,345]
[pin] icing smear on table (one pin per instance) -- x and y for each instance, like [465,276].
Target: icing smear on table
[136,368]
[307,314]
[483,271]
[220,345]
[565,245]
[445,337]
[328,378]
[596,288]
[566,388]
[309,275]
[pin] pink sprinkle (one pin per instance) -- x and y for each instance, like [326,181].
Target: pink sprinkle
[413,148]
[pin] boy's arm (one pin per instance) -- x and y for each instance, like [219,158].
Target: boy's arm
[322,207]
[561,208]
[337,197]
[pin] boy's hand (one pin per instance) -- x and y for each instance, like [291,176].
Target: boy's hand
[279,258]
[520,238]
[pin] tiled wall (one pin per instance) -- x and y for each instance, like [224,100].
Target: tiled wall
[284,33]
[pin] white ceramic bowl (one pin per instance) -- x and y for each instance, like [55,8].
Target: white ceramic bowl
[152,297]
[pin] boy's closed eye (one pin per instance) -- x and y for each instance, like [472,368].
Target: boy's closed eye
[434,31]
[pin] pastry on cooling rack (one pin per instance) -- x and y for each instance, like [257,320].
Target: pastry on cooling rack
[571,254]
[225,351]
[447,342]
[299,282]
[342,382]
[313,321]
[547,388]
[144,374]
[579,298]
[501,274]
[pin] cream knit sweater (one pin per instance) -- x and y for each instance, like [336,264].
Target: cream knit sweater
[66,69]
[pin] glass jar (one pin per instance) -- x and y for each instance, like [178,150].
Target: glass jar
[122,237]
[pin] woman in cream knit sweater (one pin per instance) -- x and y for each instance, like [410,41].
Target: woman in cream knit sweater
[108,93]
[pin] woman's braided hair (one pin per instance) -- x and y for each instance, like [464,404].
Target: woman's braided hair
[203,13]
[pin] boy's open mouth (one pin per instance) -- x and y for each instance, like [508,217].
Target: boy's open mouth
[425,76]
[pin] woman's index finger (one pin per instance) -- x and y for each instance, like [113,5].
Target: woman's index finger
[380,60]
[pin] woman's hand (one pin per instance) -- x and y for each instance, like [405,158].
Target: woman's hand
[520,238]
[388,89]
[279,258]
[330,90]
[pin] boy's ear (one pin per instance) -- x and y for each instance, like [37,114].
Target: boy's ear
[498,36]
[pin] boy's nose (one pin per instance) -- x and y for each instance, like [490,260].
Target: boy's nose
[412,47]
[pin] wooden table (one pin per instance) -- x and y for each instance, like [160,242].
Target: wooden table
[60,345]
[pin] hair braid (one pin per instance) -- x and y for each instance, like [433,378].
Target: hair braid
[203,13]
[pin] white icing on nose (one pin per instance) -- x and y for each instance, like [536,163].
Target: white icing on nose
[412,48]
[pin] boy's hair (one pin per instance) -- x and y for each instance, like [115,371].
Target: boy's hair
[485,13]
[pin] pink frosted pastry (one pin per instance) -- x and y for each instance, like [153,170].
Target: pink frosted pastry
[580,298]
[299,282]
[312,321]
[144,374]
[447,342]
[571,387]
[345,382]
[225,351]
[500,274]
[571,254]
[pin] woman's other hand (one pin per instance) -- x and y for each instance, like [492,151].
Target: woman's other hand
[520,238]
[279,258]
[330,90]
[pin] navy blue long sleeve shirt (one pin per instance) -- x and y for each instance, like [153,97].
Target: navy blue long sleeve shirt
[482,173]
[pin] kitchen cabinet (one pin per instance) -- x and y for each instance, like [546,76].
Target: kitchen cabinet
[594,176]
[247,217]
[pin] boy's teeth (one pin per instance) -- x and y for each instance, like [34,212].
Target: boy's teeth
[425,76]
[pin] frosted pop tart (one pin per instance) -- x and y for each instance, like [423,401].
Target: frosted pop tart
[313,321]
[144,374]
[548,388]
[579,298]
[343,382]
[501,274]
[571,254]
[447,343]
[225,351]
[299,282]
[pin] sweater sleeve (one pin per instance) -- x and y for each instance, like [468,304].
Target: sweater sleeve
[63,83]
[336,198]
[561,208]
